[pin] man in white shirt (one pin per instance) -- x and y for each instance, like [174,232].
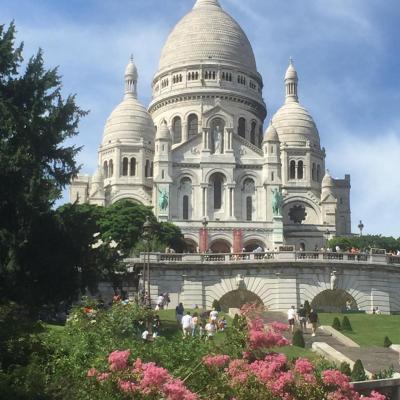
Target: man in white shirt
[213,315]
[291,315]
[187,324]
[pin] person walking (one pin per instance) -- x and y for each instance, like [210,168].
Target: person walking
[302,316]
[291,315]
[179,310]
[187,324]
[313,318]
[195,324]
[210,329]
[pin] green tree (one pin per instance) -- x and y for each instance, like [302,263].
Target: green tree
[345,368]
[365,242]
[387,342]
[358,373]
[346,325]
[336,324]
[298,339]
[35,165]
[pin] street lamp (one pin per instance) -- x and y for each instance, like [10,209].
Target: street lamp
[146,240]
[361,227]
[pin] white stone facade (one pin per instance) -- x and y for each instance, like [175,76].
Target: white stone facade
[201,146]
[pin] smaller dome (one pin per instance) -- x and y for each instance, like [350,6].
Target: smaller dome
[131,70]
[327,181]
[271,135]
[163,132]
[291,72]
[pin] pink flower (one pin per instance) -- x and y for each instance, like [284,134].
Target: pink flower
[217,361]
[335,378]
[103,377]
[259,340]
[279,327]
[127,386]
[375,396]
[281,382]
[238,371]
[153,378]
[176,390]
[303,366]
[118,360]
[92,372]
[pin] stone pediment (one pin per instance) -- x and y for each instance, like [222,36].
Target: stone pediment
[243,148]
[218,110]
[187,150]
[329,198]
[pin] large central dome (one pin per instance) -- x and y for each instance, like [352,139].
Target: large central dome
[207,33]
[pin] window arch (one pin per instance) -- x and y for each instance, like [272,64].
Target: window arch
[249,208]
[292,172]
[300,173]
[193,125]
[242,127]
[253,132]
[177,129]
[125,166]
[151,168]
[147,169]
[105,169]
[110,168]
[132,171]
[217,184]
[185,207]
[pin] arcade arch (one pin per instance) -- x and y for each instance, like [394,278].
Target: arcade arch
[237,298]
[335,300]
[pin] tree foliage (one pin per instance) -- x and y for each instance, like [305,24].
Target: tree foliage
[365,242]
[35,165]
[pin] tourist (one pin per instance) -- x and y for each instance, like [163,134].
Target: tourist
[160,302]
[302,316]
[291,313]
[348,305]
[187,324]
[179,310]
[222,323]
[313,318]
[156,325]
[147,336]
[337,248]
[195,324]
[210,329]
[377,311]
[213,315]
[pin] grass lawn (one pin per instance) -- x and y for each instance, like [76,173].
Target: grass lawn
[368,330]
[292,352]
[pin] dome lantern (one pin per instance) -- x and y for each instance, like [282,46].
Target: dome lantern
[291,82]
[204,3]
[131,78]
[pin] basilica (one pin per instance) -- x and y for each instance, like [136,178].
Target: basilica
[199,154]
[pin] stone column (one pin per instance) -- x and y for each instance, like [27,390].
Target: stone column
[185,132]
[228,137]
[231,200]
[204,189]
[206,140]
[117,166]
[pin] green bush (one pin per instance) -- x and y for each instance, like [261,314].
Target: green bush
[358,373]
[216,305]
[346,325]
[298,339]
[345,368]
[387,342]
[336,324]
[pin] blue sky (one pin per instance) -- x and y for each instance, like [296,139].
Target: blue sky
[347,53]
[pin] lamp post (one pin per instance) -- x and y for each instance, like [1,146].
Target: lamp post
[361,227]
[146,239]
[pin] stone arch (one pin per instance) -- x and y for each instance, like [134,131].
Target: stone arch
[313,213]
[333,301]
[191,245]
[213,171]
[251,244]
[187,173]
[221,246]
[237,298]
[131,197]
[249,174]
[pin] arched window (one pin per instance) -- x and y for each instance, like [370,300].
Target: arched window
[242,127]
[185,207]
[318,173]
[193,125]
[292,173]
[249,208]
[132,171]
[177,129]
[162,174]
[151,168]
[147,169]
[313,172]
[105,169]
[253,132]
[217,185]
[300,170]
[110,168]
[272,176]
[125,166]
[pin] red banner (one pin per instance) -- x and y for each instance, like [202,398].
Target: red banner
[203,240]
[237,240]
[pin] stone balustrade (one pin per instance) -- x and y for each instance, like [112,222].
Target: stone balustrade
[283,256]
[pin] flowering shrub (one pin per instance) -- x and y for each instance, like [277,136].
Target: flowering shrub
[218,361]
[140,380]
